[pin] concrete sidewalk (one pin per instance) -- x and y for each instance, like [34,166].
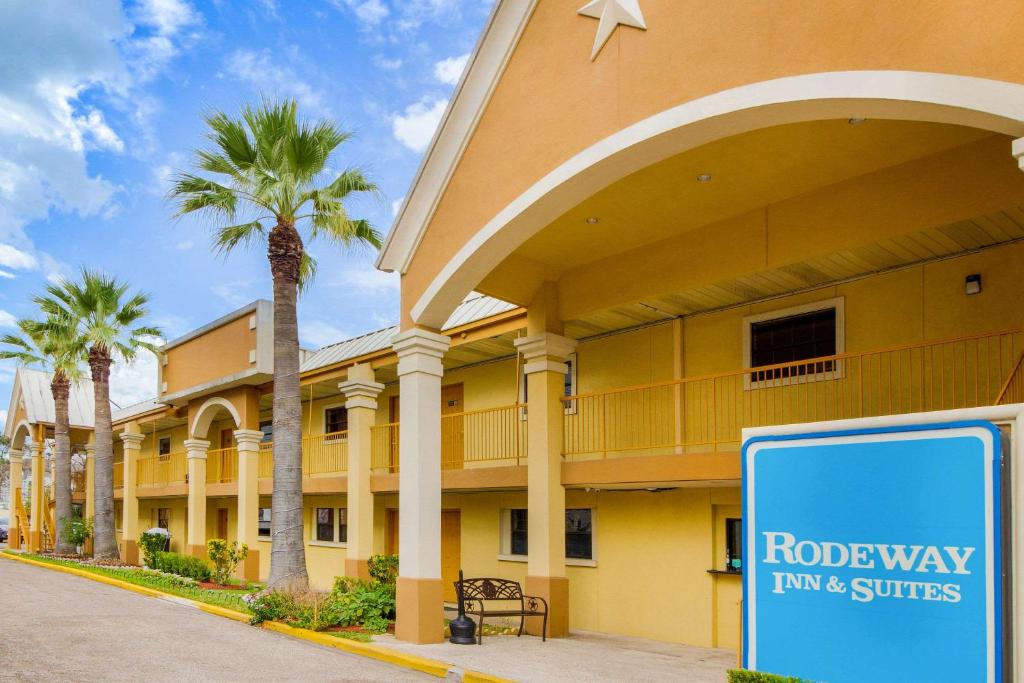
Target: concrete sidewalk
[580,658]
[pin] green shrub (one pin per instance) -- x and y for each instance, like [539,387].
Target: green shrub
[182,565]
[351,603]
[76,530]
[383,568]
[152,542]
[271,606]
[225,557]
[744,676]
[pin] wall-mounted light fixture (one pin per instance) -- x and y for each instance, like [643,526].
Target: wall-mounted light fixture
[972,284]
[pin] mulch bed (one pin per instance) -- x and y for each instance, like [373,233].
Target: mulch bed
[357,629]
[83,559]
[210,585]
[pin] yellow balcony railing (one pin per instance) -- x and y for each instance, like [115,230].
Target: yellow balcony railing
[1013,390]
[384,447]
[161,470]
[119,475]
[496,436]
[221,466]
[266,460]
[325,454]
[707,413]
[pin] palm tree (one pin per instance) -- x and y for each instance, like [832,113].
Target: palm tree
[53,346]
[107,325]
[271,171]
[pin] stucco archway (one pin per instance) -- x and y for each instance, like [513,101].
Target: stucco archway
[22,432]
[985,104]
[208,412]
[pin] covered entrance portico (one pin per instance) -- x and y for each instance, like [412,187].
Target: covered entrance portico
[673,233]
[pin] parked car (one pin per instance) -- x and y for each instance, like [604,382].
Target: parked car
[3,530]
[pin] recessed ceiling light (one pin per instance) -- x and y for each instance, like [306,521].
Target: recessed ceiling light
[704,178]
[592,219]
[856,121]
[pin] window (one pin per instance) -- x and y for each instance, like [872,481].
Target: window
[263,524]
[568,386]
[579,534]
[267,427]
[164,447]
[331,528]
[163,518]
[325,524]
[335,420]
[801,333]
[579,538]
[517,532]
[733,545]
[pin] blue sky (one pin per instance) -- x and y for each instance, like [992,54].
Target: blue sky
[101,101]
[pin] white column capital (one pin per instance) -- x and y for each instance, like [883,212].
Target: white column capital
[131,440]
[360,393]
[545,352]
[195,449]
[420,351]
[1017,149]
[248,439]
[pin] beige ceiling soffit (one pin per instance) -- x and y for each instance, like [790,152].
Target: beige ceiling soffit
[460,120]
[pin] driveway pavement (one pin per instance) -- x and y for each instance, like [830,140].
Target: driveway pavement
[57,627]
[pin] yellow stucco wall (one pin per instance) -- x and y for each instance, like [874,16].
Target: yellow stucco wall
[178,518]
[218,353]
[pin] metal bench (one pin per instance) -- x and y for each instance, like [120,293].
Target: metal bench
[479,594]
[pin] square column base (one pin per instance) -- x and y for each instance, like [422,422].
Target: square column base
[131,552]
[35,541]
[357,569]
[251,565]
[196,551]
[420,610]
[555,590]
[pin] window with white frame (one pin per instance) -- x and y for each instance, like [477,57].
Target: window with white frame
[164,447]
[330,525]
[782,345]
[579,534]
[263,524]
[335,420]
[569,386]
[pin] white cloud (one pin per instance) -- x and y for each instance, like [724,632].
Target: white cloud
[396,206]
[12,257]
[166,22]
[3,415]
[415,128]
[367,280]
[382,62]
[7,319]
[449,70]
[7,276]
[318,333]
[134,382]
[369,12]
[265,72]
[184,245]
[237,293]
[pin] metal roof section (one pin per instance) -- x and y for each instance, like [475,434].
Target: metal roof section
[474,308]
[140,408]
[32,389]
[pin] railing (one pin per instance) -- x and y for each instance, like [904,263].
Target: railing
[384,447]
[266,460]
[1013,390]
[119,475]
[161,470]
[78,481]
[707,413]
[492,435]
[325,454]
[221,465]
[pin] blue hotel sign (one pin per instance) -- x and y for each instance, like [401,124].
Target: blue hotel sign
[874,555]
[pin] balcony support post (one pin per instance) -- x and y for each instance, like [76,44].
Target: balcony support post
[131,440]
[420,603]
[361,391]
[35,522]
[544,356]
[15,530]
[248,441]
[195,455]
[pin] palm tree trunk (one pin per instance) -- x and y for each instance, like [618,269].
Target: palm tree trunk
[104,537]
[61,388]
[287,550]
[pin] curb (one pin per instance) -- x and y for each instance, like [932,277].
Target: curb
[434,667]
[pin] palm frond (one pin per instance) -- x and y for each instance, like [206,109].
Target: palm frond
[227,238]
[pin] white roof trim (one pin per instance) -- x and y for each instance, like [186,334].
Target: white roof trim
[460,119]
